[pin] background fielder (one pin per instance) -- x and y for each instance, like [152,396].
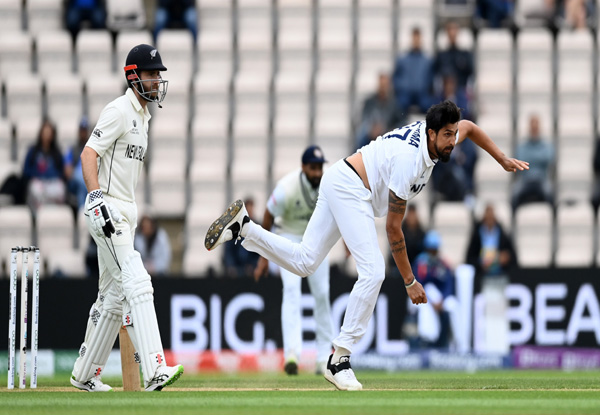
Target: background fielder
[289,208]
[112,162]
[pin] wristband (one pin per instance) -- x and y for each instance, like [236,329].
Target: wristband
[95,194]
[413,282]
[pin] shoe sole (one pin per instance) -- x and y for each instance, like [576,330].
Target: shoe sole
[331,380]
[169,381]
[216,230]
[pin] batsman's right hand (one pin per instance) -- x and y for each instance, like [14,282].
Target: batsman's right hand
[101,214]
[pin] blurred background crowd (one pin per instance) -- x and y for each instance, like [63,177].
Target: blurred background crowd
[253,82]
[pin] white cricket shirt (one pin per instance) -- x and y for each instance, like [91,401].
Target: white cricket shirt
[121,138]
[292,203]
[398,161]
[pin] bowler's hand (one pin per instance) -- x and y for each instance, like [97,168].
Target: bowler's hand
[417,293]
[512,164]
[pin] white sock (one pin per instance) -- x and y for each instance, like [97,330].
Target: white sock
[339,352]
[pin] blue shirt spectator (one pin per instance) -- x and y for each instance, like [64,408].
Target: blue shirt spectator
[429,267]
[413,77]
[490,249]
[536,184]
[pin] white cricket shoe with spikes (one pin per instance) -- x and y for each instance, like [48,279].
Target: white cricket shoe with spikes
[341,375]
[92,385]
[164,376]
[228,226]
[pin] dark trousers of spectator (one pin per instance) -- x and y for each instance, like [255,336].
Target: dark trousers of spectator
[162,19]
[406,99]
[494,11]
[525,191]
[75,15]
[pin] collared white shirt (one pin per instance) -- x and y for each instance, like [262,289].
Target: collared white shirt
[121,139]
[398,161]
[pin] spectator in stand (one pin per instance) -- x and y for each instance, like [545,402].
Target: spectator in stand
[435,318]
[454,181]
[575,13]
[596,189]
[43,171]
[73,172]
[176,14]
[536,185]
[490,250]
[413,77]
[450,91]
[495,12]
[80,11]
[454,61]
[413,236]
[152,242]
[380,112]
[238,261]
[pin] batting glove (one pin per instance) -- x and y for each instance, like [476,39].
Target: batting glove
[102,214]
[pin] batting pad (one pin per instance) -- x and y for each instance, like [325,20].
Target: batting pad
[146,336]
[94,353]
[136,280]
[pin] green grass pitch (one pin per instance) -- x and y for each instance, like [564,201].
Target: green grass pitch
[498,392]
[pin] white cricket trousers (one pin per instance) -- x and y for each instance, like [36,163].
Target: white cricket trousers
[343,209]
[291,310]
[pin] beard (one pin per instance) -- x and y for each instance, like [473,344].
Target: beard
[314,182]
[444,155]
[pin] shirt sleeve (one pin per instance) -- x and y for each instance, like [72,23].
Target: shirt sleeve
[276,202]
[109,128]
[400,174]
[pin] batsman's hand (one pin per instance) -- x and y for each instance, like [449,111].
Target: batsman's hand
[417,293]
[102,214]
[261,268]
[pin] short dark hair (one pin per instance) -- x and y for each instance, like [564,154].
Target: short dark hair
[441,114]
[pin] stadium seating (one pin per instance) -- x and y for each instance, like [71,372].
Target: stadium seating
[10,16]
[267,78]
[534,236]
[17,230]
[575,235]
[454,222]
[54,53]
[44,15]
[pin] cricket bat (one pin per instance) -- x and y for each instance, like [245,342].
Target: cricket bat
[129,367]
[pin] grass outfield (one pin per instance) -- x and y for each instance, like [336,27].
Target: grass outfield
[501,392]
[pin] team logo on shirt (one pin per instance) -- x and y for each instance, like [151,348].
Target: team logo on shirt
[135,152]
[416,188]
[134,123]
